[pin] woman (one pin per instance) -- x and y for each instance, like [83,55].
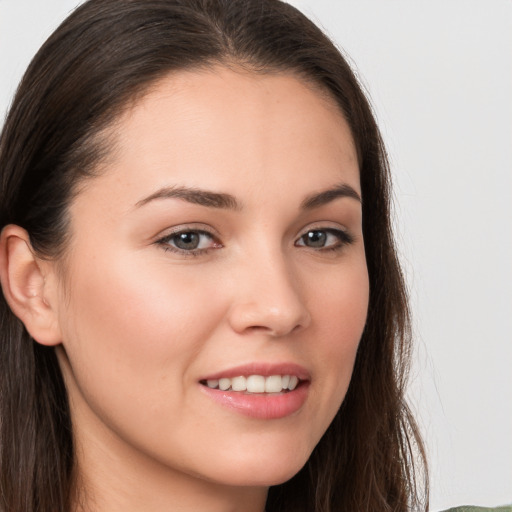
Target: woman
[177,332]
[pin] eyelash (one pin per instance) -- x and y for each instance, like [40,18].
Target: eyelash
[343,239]
[165,242]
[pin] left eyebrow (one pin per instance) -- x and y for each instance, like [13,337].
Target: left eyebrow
[322,198]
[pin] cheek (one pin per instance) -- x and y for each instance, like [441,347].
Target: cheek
[340,313]
[132,334]
[341,305]
[128,325]
[138,306]
[343,313]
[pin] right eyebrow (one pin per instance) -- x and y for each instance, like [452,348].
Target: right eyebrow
[194,195]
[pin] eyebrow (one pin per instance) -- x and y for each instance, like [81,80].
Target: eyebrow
[195,196]
[227,201]
[322,198]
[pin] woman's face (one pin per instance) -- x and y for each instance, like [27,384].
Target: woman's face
[222,239]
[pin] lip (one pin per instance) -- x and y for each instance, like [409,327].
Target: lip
[265,406]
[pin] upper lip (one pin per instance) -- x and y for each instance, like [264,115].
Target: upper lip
[264,369]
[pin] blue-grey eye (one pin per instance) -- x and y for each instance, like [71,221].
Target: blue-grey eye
[187,241]
[324,239]
[316,238]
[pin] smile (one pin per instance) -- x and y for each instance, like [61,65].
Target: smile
[255,383]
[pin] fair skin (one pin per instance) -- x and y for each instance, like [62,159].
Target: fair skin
[267,279]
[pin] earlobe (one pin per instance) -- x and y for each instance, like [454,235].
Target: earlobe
[24,283]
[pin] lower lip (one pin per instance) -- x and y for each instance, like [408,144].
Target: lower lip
[267,406]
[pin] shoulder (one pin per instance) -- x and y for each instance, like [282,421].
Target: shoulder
[467,508]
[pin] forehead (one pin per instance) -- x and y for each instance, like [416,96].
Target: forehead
[208,127]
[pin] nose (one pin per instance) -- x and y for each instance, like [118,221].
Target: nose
[269,299]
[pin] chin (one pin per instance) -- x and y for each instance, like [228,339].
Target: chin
[266,478]
[260,471]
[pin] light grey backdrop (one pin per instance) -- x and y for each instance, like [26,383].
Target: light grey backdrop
[439,73]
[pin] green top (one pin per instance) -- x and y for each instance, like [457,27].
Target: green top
[466,508]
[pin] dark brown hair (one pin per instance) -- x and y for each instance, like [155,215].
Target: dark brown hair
[105,55]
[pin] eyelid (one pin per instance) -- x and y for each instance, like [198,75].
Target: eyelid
[324,226]
[192,226]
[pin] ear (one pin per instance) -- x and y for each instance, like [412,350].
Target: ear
[29,286]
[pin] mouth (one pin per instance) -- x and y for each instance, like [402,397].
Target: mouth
[262,391]
[252,384]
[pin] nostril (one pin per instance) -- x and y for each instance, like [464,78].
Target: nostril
[274,307]
[258,322]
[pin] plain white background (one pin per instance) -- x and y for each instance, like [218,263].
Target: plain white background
[439,74]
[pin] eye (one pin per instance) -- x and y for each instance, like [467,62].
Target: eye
[325,239]
[189,241]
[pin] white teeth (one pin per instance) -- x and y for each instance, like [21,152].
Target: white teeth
[293,382]
[273,384]
[224,384]
[239,384]
[256,383]
[212,383]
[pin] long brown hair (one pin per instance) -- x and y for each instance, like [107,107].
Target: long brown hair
[107,53]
